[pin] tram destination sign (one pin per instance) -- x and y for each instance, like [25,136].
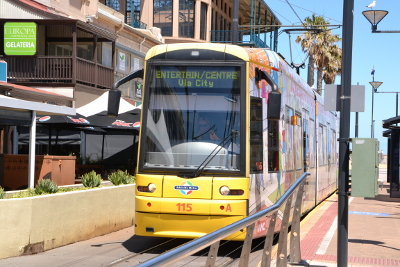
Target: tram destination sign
[20,38]
[204,77]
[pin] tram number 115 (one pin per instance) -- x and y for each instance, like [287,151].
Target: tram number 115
[184,207]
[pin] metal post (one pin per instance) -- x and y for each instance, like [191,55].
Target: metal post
[372,115]
[246,249]
[356,134]
[15,140]
[281,260]
[32,151]
[343,204]
[212,255]
[266,256]
[235,22]
[295,252]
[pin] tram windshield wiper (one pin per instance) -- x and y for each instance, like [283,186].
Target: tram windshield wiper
[213,153]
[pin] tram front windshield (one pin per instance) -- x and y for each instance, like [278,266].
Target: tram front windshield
[192,112]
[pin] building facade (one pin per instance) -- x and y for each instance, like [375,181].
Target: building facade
[81,48]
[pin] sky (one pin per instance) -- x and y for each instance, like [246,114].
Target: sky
[370,51]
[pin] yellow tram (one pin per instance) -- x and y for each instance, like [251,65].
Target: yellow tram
[225,130]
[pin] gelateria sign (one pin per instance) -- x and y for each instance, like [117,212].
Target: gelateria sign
[20,38]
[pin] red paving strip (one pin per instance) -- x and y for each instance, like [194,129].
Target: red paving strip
[311,242]
[359,260]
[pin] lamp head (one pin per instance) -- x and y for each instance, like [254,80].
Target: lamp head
[374,17]
[375,85]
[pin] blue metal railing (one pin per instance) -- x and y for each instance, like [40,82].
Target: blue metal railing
[135,23]
[244,38]
[212,239]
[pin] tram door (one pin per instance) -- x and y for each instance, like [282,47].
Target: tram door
[331,155]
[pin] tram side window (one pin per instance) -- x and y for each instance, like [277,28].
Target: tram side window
[333,146]
[273,146]
[328,145]
[306,148]
[312,143]
[256,136]
[298,133]
[288,140]
[322,145]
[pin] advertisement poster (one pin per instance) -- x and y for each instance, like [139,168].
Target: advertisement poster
[121,61]
[20,38]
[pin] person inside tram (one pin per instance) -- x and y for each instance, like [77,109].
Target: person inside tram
[206,130]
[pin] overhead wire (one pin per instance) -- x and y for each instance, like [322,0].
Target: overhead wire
[285,1]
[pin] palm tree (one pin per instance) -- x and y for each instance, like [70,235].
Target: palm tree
[328,58]
[323,54]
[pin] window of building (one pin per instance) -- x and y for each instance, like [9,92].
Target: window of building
[203,21]
[132,12]
[186,18]
[136,85]
[106,55]
[123,62]
[162,17]
[114,4]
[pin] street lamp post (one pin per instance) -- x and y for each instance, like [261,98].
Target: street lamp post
[374,17]
[375,86]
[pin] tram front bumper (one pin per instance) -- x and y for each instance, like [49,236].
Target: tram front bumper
[186,218]
[183,226]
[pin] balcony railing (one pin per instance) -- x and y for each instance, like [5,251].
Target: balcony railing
[47,69]
[135,23]
[244,38]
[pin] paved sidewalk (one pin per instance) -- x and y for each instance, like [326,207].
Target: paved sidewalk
[373,231]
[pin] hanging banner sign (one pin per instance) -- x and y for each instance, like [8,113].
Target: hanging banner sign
[20,38]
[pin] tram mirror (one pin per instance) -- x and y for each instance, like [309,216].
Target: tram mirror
[113,102]
[274,105]
[114,94]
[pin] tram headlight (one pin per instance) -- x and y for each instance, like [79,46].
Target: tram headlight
[147,189]
[224,190]
[152,188]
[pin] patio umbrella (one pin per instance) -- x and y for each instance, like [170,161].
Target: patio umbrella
[126,121]
[124,124]
[100,104]
[63,122]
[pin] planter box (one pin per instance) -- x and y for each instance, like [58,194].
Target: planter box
[14,170]
[36,224]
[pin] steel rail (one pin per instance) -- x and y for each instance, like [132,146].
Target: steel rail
[200,243]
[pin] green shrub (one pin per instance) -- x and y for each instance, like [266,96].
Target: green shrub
[2,193]
[24,193]
[46,186]
[91,179]
[121,177]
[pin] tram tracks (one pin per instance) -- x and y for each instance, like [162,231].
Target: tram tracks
[224,259]
[228,255]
